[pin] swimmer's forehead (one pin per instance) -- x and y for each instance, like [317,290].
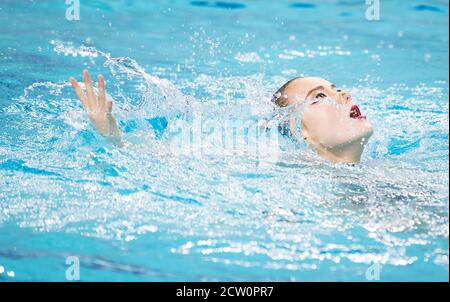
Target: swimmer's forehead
[299,88]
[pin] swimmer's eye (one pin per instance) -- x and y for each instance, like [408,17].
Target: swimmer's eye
[321,95]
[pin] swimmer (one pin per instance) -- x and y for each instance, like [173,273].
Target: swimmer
[331,123]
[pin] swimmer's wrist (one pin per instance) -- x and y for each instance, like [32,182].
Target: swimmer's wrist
[115,139]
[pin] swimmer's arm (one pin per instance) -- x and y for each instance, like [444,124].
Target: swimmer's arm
[98,108]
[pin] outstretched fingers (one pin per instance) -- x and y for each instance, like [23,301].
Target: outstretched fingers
[80,93]
[90,101]
[89,89]
[101,92]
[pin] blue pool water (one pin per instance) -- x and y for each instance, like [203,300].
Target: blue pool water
[144,214]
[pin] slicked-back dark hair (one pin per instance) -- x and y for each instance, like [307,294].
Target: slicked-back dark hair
[280,98]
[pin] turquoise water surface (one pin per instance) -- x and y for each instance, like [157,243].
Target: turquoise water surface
[143,213]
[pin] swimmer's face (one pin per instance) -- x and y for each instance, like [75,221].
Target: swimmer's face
[331,119]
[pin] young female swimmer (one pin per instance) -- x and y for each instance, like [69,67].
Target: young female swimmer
[331,123]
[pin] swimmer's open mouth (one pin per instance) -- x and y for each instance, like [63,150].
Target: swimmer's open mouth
[356,113]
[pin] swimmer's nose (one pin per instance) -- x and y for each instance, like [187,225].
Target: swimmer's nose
[344,96]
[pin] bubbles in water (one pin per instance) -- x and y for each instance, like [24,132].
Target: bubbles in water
[292,214]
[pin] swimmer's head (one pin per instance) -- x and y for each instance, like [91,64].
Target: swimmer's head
[330,122]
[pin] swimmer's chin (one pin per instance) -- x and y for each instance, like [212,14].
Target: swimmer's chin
[347,152]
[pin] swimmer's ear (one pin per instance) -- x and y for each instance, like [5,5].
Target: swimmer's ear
[305,133]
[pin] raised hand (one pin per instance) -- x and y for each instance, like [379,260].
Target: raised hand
[98,108]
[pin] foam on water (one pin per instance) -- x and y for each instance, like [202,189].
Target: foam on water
[57,175]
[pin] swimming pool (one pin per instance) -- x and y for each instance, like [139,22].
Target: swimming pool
[146,214]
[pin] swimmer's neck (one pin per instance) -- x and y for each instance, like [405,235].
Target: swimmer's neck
[348,153]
